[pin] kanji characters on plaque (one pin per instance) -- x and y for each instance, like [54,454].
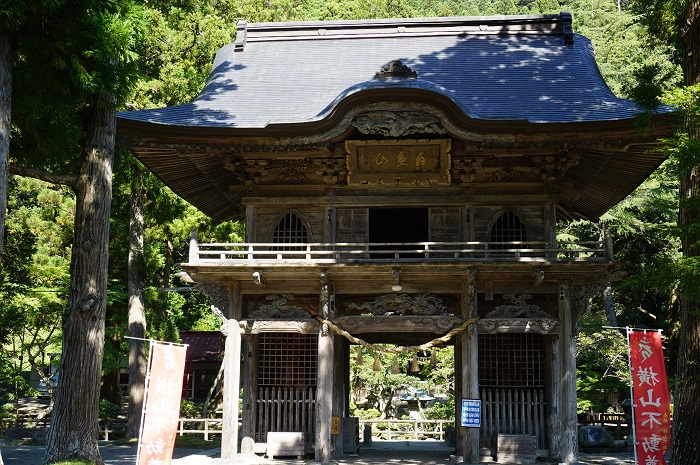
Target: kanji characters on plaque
[652,414]
[162,407]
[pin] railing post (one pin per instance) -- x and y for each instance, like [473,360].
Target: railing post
[194,247]
[607,240]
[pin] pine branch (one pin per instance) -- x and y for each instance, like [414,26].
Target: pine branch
[60,179]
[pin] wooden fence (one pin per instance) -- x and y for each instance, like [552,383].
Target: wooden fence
[616,423]
[285,409]
[406,430]
[513,411]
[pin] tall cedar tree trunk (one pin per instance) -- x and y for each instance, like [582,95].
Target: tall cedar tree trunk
[137,314]
[685,443]
[74,422]
[5,113]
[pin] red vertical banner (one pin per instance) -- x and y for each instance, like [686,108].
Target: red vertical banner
[652,412]
[162,407]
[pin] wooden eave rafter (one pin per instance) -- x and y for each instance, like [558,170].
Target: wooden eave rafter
[192,159]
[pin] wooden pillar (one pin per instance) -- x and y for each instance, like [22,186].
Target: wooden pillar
[339,390]
[251,224]
[470,366]
[250,393]
[232,375]
[569,426]
[324,389]
[553,360]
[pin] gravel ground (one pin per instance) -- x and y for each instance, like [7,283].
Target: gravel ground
[398,453]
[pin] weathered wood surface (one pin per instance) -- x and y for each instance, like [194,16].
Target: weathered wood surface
[513,411]
[518,448]
[286,443]
[285,409]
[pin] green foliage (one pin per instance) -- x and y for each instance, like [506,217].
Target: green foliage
[441,410]
[602,366]
[366,413]
[108,410]
[189,409]
[624,48]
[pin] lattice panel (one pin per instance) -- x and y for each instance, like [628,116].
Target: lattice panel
[508,228]
[288,359]
[511,360]
[290,230]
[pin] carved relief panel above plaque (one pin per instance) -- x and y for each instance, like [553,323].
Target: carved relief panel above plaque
[403,163]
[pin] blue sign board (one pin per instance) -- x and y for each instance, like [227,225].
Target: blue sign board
[471,413]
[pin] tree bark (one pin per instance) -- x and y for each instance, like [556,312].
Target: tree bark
[74,422]
[685,440]
[5,114]
[137,312]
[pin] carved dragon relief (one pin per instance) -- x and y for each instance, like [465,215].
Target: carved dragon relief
[278,309]
[401,304]
[519,316]
[397,123]
[363,324]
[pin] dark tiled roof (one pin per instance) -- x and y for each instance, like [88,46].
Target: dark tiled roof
[202,346]
[295,73]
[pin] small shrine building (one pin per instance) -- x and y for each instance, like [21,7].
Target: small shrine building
[401,180]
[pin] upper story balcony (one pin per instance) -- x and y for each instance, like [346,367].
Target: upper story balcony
[329,254]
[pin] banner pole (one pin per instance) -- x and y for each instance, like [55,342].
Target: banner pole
[145,395]
[634,423]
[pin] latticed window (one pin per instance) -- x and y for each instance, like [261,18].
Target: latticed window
[290,230]
[511,360]
[288,359]
[508,228]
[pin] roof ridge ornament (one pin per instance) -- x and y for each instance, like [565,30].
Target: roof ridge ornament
[395,69]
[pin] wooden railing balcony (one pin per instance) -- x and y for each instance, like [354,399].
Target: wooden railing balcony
[378,253]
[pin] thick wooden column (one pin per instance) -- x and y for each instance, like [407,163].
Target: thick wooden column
[569,427]
[339,390]
[470,366]
[232,374]
[554,424]
[250,393]
[324,388]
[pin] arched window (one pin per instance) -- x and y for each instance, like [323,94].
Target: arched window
[290,230]
[508,228]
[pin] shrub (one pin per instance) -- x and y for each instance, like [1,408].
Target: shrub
[108,410]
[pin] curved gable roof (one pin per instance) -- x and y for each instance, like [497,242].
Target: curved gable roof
[526,68]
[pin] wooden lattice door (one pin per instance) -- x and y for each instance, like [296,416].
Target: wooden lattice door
[286,384]
[512,384]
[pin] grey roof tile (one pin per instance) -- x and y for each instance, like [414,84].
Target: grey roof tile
[530,77]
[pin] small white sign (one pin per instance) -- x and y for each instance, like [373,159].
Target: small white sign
[471,413]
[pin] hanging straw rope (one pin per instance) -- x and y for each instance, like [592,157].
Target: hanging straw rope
[400,350]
